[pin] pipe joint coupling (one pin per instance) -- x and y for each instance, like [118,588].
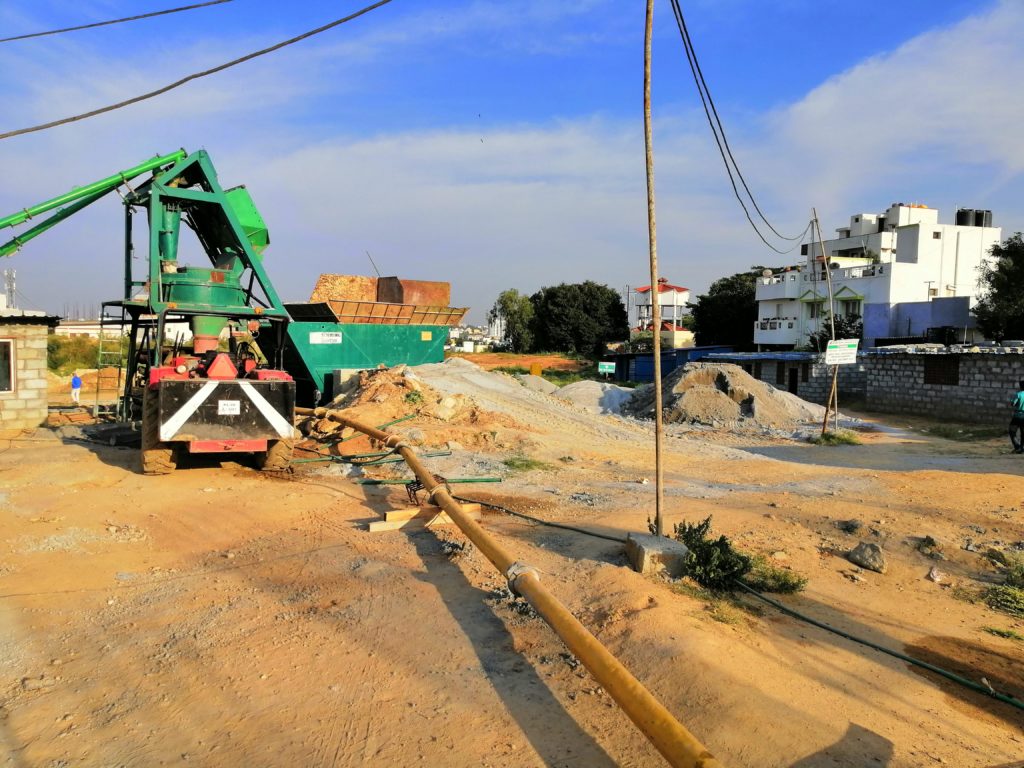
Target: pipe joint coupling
[516,570]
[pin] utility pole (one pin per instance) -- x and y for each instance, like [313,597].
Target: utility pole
[833,394]
[659,469]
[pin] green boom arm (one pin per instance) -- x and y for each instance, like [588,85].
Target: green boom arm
[79,199]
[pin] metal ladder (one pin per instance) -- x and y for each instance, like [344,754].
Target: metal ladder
[107,356]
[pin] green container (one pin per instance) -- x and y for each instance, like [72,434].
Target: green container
[314,351]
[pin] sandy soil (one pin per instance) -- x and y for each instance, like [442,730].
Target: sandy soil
[223,617]
[490,360]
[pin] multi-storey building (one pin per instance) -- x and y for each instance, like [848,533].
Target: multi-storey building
[901,271]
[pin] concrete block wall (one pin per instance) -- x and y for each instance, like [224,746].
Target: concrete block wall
[26,406]
[852,378]
[985,386]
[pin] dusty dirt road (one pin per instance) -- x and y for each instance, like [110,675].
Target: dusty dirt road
[221,617]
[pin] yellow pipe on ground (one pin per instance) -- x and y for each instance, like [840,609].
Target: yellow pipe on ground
[676,744]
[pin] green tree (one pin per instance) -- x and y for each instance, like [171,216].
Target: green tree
[515,311]
[727,312]
[847,327]
[578,318]
[1000,311]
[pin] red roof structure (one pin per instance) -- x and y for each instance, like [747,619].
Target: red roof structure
[663,287]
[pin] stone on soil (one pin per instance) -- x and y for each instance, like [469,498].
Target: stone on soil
[867,556]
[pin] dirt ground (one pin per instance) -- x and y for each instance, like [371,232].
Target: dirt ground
[223,617]
[491,360]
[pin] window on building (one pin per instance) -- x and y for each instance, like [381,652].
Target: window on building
[780,374]
[757,371]
[851,307]
[936,235]
[817,309]
[805,372]
[803,249]
[942,369]
[6,365]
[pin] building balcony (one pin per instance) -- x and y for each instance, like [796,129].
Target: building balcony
[779,330]
[784,286]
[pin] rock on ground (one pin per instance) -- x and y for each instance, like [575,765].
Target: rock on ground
[868,556]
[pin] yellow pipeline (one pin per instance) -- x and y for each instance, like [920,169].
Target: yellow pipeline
[678,746]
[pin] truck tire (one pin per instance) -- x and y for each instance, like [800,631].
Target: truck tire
[157,458]
[277,457]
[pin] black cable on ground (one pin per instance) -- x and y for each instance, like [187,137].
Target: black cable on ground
[976,687]
[537,520]
[114,21]
[196,75]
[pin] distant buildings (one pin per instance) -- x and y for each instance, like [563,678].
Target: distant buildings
[673,300]
[902,271]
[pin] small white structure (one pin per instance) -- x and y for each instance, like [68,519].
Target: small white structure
[901,271]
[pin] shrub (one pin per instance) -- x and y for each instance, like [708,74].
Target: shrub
[842,437]
[1006,599]
[765,577]
[524,464]
[712,563]
[66,353]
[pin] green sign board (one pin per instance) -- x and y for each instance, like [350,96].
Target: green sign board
[604,367]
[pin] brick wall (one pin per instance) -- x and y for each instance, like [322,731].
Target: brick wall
[966,388]
[26,406]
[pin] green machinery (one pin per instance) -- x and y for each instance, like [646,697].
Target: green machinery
[195,398]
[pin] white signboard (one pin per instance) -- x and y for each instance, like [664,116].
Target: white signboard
[841,352]
[229,407]
[325,337]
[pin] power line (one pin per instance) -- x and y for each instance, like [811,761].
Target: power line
[195,76]
[114,21]
[718,131]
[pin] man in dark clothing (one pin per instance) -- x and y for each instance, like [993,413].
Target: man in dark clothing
[1017,421]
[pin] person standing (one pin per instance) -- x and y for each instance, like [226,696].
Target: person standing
[1017,420]
[76,388]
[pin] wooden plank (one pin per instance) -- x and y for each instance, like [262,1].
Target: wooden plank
[427,511]
[415,523]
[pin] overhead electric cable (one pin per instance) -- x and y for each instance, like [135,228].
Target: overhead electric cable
[197,75]
[114,21]
[718,131]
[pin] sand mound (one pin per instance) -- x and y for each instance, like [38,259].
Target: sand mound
[536,383]
[596,396]
[381,396]
[719,394]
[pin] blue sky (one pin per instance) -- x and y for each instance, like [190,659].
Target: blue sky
[499,144]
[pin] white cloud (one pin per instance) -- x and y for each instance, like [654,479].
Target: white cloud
[536,203]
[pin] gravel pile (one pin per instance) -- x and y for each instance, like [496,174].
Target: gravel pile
[723,395]
[596,396]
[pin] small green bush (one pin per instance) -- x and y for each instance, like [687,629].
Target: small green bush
[765,577]
[1014,571]
[524,464]
[414,397]
[1009,634]
[842,437]
[1006,599]
[712,563]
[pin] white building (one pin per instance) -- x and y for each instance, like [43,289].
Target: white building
[673,300]
[901,271]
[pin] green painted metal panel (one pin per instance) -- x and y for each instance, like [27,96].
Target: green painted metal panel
[249,217]
[315,350]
